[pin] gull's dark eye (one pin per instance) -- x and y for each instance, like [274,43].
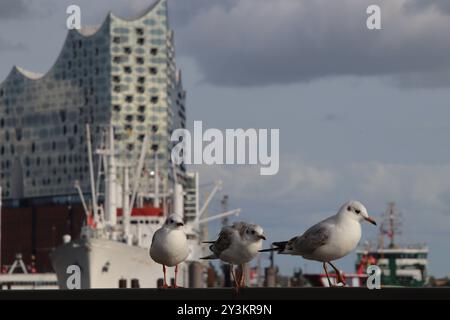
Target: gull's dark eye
[349,208]
[358,211]
[171,221]
[253,232]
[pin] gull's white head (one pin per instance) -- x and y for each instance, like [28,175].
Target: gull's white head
[254,232]
[356,210]
[174,221]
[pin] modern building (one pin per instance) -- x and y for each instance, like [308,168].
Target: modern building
[121,74]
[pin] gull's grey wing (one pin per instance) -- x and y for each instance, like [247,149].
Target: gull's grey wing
[313,238]
[240,227]
[223,242]
[156,235]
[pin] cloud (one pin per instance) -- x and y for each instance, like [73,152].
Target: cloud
[181,12]
[440,5]
[8,46]
[256,43]
[331,117]
[13,9]
[420,188]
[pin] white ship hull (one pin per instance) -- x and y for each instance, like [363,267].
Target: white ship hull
[104,262]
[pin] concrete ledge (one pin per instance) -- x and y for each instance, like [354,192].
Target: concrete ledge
[268,294]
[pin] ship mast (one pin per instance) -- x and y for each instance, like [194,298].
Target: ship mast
[0,227]
[111,188]
[91,171]
[390,226]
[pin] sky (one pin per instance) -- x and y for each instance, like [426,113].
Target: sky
[363,114]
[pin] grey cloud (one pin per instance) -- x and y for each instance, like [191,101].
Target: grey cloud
[331,117]
[20,9]
[8,46]
[181,12]
[11,9]
[311,187]
[257,43]
[440,5]
[430,79]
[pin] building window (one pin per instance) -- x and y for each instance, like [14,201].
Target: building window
[154,51]
[139,60]
[153,70]
[140,31]
[129,99]
[154,99]
[141,80]
[140,41]
[127,50]
[127,69]
[116,78]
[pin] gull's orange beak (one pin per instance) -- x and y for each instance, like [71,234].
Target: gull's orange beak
[371,220]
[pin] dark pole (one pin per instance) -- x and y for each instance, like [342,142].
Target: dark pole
[225,266]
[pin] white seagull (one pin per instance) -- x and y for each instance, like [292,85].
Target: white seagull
[330,239]
[169,245]
[237,244]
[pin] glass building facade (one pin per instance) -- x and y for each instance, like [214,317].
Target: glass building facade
[123,74]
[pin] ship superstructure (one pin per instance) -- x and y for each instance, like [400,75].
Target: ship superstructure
[114,243]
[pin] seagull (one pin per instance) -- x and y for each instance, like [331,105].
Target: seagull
[237,244]
[169,245]
[330,239]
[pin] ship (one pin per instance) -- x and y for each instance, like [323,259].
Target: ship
[400,265]
[113,248]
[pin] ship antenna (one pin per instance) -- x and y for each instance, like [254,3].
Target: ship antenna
[390,225]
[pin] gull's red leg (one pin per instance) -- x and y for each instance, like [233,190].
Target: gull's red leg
[326,272]
[176,272]
[242,278]
[340,276]
[165,282]
[236,284]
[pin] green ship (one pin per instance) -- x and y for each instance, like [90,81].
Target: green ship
[401,265]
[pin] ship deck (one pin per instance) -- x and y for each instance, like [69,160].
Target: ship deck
[267,294]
